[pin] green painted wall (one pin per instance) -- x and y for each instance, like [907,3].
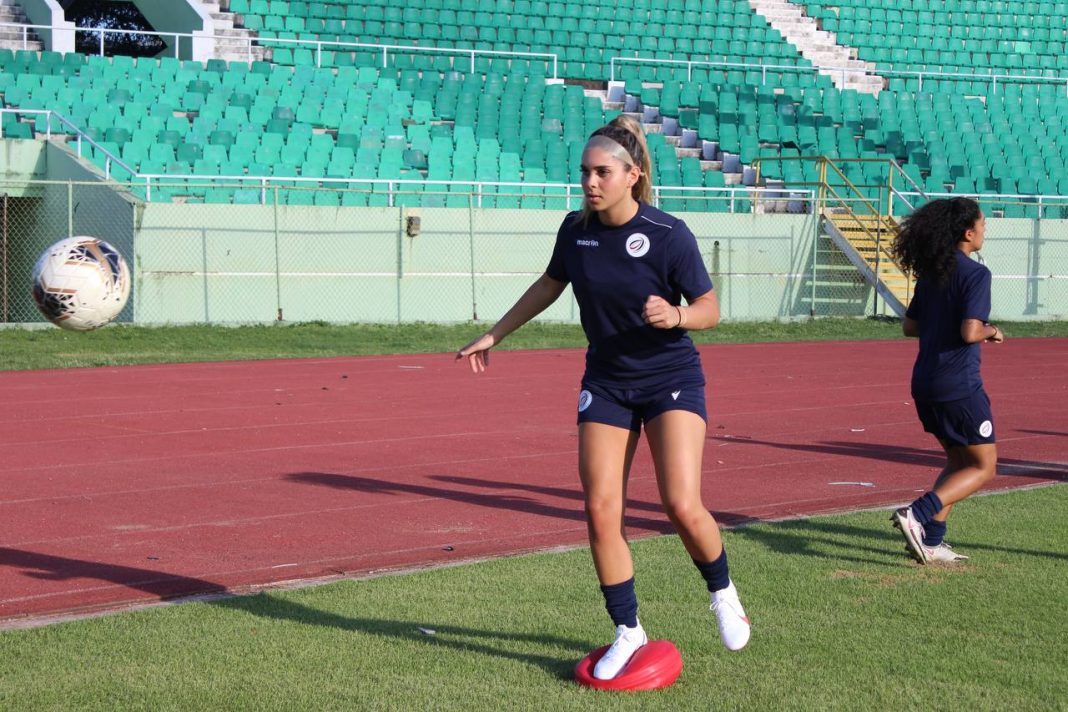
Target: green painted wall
[251,263]
[21,161]
[343,264]
[1029,261]
[254,263]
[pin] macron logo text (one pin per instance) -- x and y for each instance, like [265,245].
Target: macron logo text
[587,243]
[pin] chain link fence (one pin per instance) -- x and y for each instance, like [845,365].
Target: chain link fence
[345,255]
[34,215]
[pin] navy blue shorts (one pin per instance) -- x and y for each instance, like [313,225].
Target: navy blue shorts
[630,407]
[962,422]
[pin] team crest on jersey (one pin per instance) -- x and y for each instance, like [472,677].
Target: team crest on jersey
[637,245]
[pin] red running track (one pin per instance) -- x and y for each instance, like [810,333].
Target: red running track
[122,486]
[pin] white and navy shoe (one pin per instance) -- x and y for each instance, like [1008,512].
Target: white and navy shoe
[733,624]
[627,642]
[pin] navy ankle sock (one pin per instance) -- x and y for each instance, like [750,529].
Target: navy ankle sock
[622,603]
[934,532]
[926,507]
[715,572]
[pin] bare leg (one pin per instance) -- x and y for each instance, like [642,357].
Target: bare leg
[605,456]
[677,442]
[968,468]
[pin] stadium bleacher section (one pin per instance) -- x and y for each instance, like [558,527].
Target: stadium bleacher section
[333,113]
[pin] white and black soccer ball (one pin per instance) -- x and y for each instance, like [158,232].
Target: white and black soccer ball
[81,283]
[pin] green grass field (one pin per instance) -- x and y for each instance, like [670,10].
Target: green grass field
[116,345]
[842,620]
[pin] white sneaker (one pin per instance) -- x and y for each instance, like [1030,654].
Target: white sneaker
[912,531]
[730,617]
[627,642]
[942,554]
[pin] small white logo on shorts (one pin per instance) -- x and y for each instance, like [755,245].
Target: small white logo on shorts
[637,245]
[585,398]
[986,428]
[675,395]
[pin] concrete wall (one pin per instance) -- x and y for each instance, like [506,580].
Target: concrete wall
[259,263]
[48,12]
[22,161]
[250,263]
[1029,261]
[183,16]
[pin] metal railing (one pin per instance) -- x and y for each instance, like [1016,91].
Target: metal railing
[1026,200]
[472,54]
[80,137]
[893,169]
[843,71]
[480,188]
[318,45]
[831,200]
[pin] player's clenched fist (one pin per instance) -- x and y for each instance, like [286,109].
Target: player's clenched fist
[661,314]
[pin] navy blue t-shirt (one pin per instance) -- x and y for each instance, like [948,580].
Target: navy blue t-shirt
[612,271]
[947,368]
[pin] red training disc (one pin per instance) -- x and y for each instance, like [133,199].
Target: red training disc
[656,665]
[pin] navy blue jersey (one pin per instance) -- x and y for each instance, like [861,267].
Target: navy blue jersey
[947,368]
[612,271]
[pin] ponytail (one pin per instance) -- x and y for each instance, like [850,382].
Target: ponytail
[643,189]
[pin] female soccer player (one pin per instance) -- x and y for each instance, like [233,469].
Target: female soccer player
[949,314]
[630,265]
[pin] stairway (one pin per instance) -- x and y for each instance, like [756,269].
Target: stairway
[819,46]
[866,241]
[12,37]
[232,42]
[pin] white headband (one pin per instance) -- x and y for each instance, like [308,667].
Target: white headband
[611,146]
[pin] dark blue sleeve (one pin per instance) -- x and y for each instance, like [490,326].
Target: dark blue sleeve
[686,268]
[557,268]
[913,311]
[976,297]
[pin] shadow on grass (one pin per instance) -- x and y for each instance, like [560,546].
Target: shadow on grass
[828,540]
[905,455]
[167,586]
[824,540]
[492,643]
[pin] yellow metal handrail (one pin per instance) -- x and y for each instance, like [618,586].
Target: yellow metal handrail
[825,189]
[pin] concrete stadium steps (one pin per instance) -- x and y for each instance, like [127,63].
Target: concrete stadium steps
[819,46]
[233,41]
[11,37]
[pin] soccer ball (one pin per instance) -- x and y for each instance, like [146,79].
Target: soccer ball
[81,283]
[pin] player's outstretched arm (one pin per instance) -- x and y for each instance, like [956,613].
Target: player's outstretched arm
[701,313]
[534,301]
